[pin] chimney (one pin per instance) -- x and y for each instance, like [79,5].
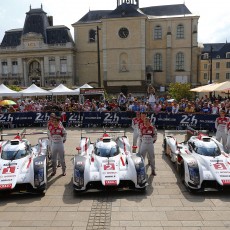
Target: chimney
[50,20]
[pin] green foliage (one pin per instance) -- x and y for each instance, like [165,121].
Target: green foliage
[14,87]
[179,91]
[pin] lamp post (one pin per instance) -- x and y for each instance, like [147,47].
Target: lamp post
[210,79]
[210,58]
[98,59]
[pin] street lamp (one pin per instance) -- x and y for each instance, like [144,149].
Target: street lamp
[210,58]
[98,59]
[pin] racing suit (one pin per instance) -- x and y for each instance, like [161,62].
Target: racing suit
[135,126]
[148,137]
[57,135]
[228,137]
[220,125]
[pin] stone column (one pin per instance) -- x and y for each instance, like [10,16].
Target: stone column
[25,73]
[42,73]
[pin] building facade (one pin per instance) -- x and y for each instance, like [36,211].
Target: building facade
[38,53]
[133,47]
[214,64]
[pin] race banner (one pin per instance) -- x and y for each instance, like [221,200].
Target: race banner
[161,120]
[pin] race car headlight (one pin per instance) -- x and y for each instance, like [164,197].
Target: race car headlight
[194,174]
[78,177]
[39,177]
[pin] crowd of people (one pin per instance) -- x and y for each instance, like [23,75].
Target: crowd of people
[149,103]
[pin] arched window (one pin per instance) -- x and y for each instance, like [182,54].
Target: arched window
[180,61]
[180,31]
[157,62]
[92,35]
[123,62]
[157,32]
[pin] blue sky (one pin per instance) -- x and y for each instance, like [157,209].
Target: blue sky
[214,22]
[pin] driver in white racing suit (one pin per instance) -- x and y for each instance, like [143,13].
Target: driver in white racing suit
[148,135]
[135,126]
[221,126]
[57,135]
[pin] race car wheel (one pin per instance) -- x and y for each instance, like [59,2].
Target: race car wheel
[143,190]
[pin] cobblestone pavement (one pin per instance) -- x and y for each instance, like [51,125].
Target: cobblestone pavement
[166,204]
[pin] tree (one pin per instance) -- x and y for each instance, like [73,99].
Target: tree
[179,91]
[14,87]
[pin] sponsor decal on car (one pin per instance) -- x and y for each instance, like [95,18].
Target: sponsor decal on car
[220,166]
[5,186]
[8,170]
[109,167]
[226,182]
[110,182]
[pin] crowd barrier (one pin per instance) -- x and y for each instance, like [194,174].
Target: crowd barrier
[164,120]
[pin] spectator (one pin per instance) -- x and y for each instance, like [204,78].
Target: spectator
[121,99]
[189,108]
[206,108]
[157,108]
[175,107]
[151,95]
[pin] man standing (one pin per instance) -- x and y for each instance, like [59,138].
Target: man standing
[148,135]
[135,126]
[57,135]
[221,126]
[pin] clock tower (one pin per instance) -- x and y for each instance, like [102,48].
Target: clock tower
[130,2]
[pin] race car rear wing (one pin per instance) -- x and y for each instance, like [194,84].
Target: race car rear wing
[104,132]
[20,135]
[189,132]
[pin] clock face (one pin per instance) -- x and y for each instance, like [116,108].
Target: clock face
[123,32]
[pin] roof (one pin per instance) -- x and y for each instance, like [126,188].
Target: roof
[130,10]
[218,49]
[38,22]
[167,10]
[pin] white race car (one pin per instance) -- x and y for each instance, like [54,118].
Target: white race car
[201,161]
[22,166]
[108,163]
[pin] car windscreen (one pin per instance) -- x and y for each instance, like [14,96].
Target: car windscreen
[107,152]
[212,152]
[14,155]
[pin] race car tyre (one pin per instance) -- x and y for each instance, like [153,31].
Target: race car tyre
[143,190]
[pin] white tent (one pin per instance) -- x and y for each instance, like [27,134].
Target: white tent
[85,86]
[34,90]
[5,91]
[62,90]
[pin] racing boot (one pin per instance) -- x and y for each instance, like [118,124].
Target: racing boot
[153,173]
[54,171]
[64,171]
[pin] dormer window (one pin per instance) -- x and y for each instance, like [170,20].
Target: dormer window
[218,56]
[228,55]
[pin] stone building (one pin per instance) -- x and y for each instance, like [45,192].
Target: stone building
[214,64]
[39,53]
[136,46]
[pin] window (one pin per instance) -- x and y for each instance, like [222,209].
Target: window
[63,65]
[227,76]
[123,62]
[217,76]
[180,62]
[158,62]
[205,76]
[227,64]
[205,56]
[227,55]
[205,66]
[217,65]
[14,67]
[149,78]
[92,35]
[218,56]
[180,32]
[4,68]
[52,68]
[157,32]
